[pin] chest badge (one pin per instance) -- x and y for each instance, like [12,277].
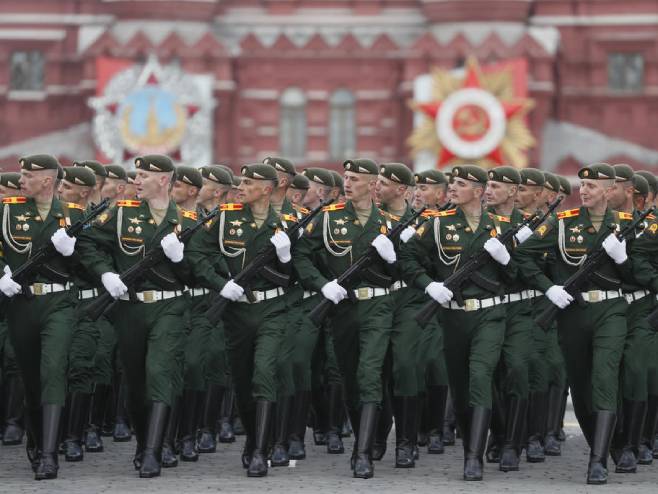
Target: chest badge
[580,239]
[135,221]
[138,230]
[236,222]
[576,229]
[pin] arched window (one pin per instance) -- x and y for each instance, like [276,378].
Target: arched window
[292,128]
[342,131]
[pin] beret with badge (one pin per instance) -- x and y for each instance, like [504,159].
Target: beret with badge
[98,169]
[338,181]
[130,176]
[319,176]
[259,171]
[37,162]
[565,185]
[299,182]
[597,171]
[154,163]
[551,182]
[217,174]
[397,172]
[623,173]
[78,175]
[472,173]
[532,177]
[431,177]
[189,175]
[10,180]
[640,185]
[281,165]
[505,174]
[116,171]
[651,179]
[361,165]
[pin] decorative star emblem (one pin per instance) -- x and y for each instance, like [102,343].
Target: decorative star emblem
[236,222]
[576,229]
[340,222]
[135,221]
[451,228]
[21,217]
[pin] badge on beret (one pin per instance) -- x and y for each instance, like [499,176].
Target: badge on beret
[585,173]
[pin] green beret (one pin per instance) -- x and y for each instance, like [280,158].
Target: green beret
[532,177]
[431,177]
[10,180]
[116,171]
[623,173]
[565,185]
[189,175]
[154,163]
[472,173]
[259,171]
[397,172]
[79,175]
[552,183]
[299,182]
[505,174]
[640,185]
[320,176]
[98,169]
[60,173]
[338,181]
[218,174]
[236,180]
[651,179]
[361,165]
[226,167]
[130,176]
[38,162]
[597,171]
[281,165]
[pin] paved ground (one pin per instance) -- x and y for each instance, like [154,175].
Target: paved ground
[221,472]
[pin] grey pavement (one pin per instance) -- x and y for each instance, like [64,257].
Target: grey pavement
[112,472]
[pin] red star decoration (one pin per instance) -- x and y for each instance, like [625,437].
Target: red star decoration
[471,80]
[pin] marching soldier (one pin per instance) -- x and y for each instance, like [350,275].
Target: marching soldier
[115,184]
[297,190]
[41,318]
[130,193]
[100,172]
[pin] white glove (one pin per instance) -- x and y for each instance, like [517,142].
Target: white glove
[407,233]
[113,284]
[439,292]
[523,234]
[172,247]
[281,243]
[8,286]
[559,296]
[334,292]
[64,244]
[615,249]
[232,291]
[497,250]
[385,248]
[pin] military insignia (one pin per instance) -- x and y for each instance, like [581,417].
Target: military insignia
[420,231]
[580,239]
[103,218]
[382,229]
[253,225]
[135,221]
[14,200]
[131,229]
[19,227]
[455,237]
[340,222]
[334,207]
[128,203]
[231,206]
[449,236]
[231,231]
[239,232]
[576,229]
[493,233]
[138,230]
[571,213]
[236,222]
[467,229]
[585,173]
[309,228]
[625,216]
[572,238]
[541,231]
[653,228]
[336,231]
[451,228]
[21,217]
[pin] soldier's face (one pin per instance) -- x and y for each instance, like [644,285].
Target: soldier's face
[113,188]
[250,190]
[528,196]
[593,193]
[429,195]
[358,185]
[34,183]
[618,194]
[315,194]
[149,185]
[73,193]
[387,191]
[497,193]
[639,202]
[182,192]
[464,191]
[130,192]
[295,196]
[212,192]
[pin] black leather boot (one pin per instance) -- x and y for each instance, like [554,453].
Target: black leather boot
[188,426]
[604,425]
[93,440]
[363,467]
[48,464]
[517,411]
[279,456]
[634,413]
[296,446]
[536,426]
[449,422]
[646,451]
[334,441]
[226,432]
[258,463]
[497,435]
[382,427]
[436,404]
[552,444]
[153,445]
[475,441]
[78,414]
[168,457]
[13,429]
[406,416]
[207,442]
[565,395]
[33,436]
[139,418]
[249,421]
[320,407]
[121,432]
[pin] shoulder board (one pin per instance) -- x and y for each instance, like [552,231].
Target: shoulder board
[289,217]
[651,217]
[498,217]
[72,205]
[334,207]
[390,216]
[568,214]
[14,200]
[625,216]
[231,206]
[430,213]
[191,215]
[128,203]
[448,212]
[301,209]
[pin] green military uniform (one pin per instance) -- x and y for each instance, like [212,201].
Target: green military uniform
[591,336]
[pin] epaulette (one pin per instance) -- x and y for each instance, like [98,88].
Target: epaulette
[231,206]
[430,213]
[334,207]
[128,203]
[498,217]
[448,212]
[624,216]
[14,200]
[190,215]
[289,217]
[571,213]
[72,205]
[301,209]
[390,216]
[651,217]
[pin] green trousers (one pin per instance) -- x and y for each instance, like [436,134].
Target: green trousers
[361,333]
[405,341]
[106,357]
[473,342]
[197,342]
[287,350]
[151,340]
[82,356]
[592,341]
[638,351]
[216,368]
[306,341]
[515,353]
[324,365]
[40,329]
[546,366]
[431,358]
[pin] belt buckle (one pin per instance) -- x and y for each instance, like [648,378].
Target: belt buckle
[594,296]
[470,304]
[363,293]
[149,296]
[38,288]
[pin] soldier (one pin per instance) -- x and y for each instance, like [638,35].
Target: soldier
[474,332]
[130,193]
[653,186]
[592,334]
[253,334]
[149,321]
[640,192]
[338,191]
[101,174]
[13,392]
[565,186]
[115,183]
[40,327]
[297,190]
[360,330]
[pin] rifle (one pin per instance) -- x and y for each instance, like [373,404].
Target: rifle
[46,252]
[574,284]
[259,265]
[471,268]
[101,304]
[353,274]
